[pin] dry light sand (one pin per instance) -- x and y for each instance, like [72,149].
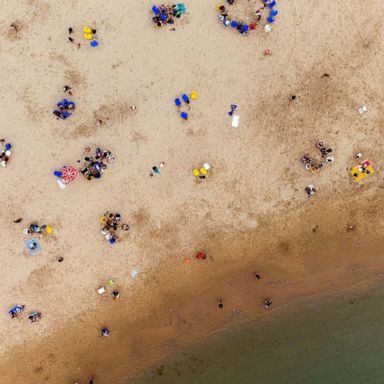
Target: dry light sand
[251,214]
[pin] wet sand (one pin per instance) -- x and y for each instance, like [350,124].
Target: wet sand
[316,341]
[250,214]
[152,320]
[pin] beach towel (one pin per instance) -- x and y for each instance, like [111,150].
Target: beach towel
[28,244]
[358,176]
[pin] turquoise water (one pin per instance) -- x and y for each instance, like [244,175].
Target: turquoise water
[337,341]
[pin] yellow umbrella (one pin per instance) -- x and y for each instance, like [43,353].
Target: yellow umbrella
[203,171]
[49,230]
[194,95]
[88,36]
[195,172]
[87,29]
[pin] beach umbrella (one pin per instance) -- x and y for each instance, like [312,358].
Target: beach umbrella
[194,95]
[185,98]
[155,10]
[69,173]
[273,13]
[49,230]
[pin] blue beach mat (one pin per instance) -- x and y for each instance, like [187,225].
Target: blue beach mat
[28,244]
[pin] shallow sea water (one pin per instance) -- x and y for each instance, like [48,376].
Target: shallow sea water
[338,340]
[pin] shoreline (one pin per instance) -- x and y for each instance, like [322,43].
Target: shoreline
[163,327]
[324,334]
[153,341]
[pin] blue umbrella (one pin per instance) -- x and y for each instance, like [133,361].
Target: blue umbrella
[177,102]
[184,115]
[185,98]
[233,24]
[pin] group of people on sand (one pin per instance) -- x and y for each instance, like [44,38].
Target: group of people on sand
[64,108]
[363,167]
[94,166]
[165,14]
[111,224]
[90,34]
[19,308]
[37,229]
[6,153]
[243,27]
[325,151]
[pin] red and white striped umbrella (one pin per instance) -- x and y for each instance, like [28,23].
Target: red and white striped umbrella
[69,173]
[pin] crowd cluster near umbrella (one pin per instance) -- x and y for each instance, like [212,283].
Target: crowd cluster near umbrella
[64,109]
[32,244]
[36,229]
[166,14]
[244,27]
[185,102]
[89,35]
[94,166]
[111,224]
[362,169]
[313,165]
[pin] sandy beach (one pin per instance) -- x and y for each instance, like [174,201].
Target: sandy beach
[251,214]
